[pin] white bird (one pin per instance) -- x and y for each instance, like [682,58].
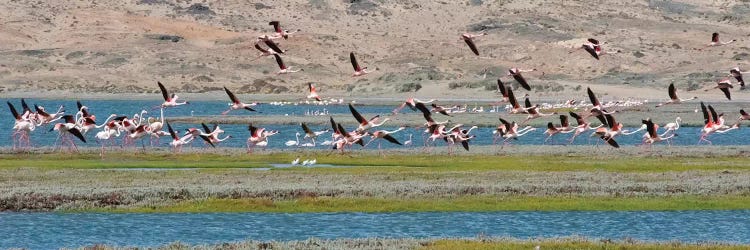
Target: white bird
[293,143]
[408,142]
[295,162]
[305,162]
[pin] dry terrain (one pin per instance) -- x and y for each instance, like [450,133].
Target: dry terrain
[66,48]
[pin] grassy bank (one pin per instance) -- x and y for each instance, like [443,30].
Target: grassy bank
[467,204]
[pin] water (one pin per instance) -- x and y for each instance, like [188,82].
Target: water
[53,230]
[42,137]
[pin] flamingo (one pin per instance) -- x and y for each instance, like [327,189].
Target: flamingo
[236,104]
[45,118]
[469,39]
[258,137]
[673,99]
[743,115]
[89,123]
[737,74]
[178,142]
[283,69]
[672,126]
[22,128]
[313,93]
[68,127]
[724,85]
[515,73]
[358,71]
[213,134]
[457,135]
[510,131]
[411,103]
[534,112]
[515,107]
[440,109]
[169,101]
[204,135]
[593,47]
[387,135]
[110,131]
[503,91]
[312,135]
[653,136]
[280,32]
[365,124]
[564,128]
[155,127]
[608,133]
[713,123]
[583,125]
[347,139]
[716,42]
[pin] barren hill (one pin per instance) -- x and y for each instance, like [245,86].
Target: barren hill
[200,46]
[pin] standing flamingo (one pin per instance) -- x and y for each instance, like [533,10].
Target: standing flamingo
[283,69]
[358,71]
[169,101]
[236,104]
[673,99]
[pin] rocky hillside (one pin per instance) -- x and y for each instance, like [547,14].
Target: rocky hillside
[200,46]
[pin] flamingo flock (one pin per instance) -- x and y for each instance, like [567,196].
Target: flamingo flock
[135,128]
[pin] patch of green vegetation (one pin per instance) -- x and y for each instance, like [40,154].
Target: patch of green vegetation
[367,162]
[466,203]
[572,244]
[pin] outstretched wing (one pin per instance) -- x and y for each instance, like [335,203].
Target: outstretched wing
[279,61]
[512,99]
[25,106]
[594,41]
[564,120]
[422,108]
[726,93]
[334,127]
[306,129]
[354,62]
[472,46]
[672,92]
[391,139]
[205,128]
[77,134]
[591,51]
[273,46]
[714,116]
[465,144]
[276,26]
[171,132]
[501,88]
[505,123]
[207,140]
[13,111]
[231,95]
[357,116]
[611,141]
[706,116]
[519,78]
[592,97]
[164,92]
[257,46]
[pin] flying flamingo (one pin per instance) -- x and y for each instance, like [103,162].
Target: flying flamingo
[45,118]
[457,135]
[713,124]
[608,133]
[743,115]
[358,71]
[583,126]
[737,74]
[313,93]
[169,101]
[365,124]
[593,47]
[280,32]
[716,42]
[724,85]
[347,139]
[312,135]
[213,134]
[236,104]
[653,136]
[503,91]
[515,73]
[534,112]
[515,107]
[440,109]
[68,128]
[384,134]
[89,123]
[673,99]
[469,39]
[178,142]
[510,131]
[412,104]
[283,69]
[258,137]
[564,128]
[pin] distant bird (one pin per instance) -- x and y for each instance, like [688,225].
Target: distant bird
[672,126]
[169,100]
[737,74]
[313,93]
[295,162]
[236,104]
[293,143]
[213,134]
[515,73]
[283,69]
[724,85]
[594,48]
[469,40]
[280,32]
[358,71]
[743,115]
[673,99]
[510,131]
[515,107]
[715,41]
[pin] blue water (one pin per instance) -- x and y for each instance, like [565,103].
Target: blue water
[53,230]
[41,137]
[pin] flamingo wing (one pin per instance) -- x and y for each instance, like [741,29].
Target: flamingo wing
[714,116]
[69,119]
[551,127]
[207,140]
[610,121]
[25,106]
[164,92]
[472,46]
[505,123]
[501,88]
[591,51]
[13,111]
[706,116]
[354,62]
[512,99]
[465,144]
[279,61]
[726,93]
[276,26]
[171,132]
[564,121]
[257,46]
[334,127]
[593,98]
[273,46]
[205,128]
[357,116]
[391,139]
[77,134]
[602,119]
[253,130]
[743,113]
[231,95]
[715,37]
[422,108]
[519,78]
[611,141]
[672,92]
[594,41]
[40,111]
[577,117]
[650,128]
[306,129]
